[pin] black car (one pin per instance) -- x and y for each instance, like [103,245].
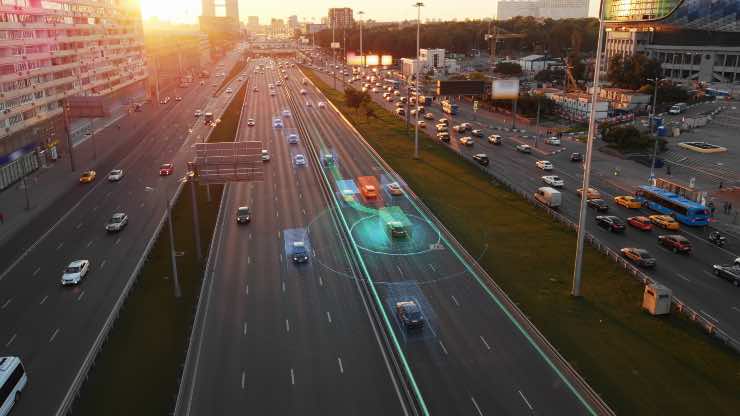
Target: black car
[409,314]
[482,159]
[598,204]
[299,253]
[576,157]
[611,223]
[397,230]
[243,215]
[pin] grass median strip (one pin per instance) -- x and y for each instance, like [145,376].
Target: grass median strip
[137,370]
[638,363]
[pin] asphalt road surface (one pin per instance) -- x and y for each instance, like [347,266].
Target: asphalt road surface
[51,327]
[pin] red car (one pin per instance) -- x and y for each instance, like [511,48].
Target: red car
[676,243]
[640,222]
[166,169]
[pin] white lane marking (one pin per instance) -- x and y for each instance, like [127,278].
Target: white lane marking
[278,235]
[277,214]
[304,211]
[444,350]
[250,236]
[95,208]
[118,240]
[431,266]
[736,309]
[488,347]
[525,400]
[108,194]
[7,344]
[54,335]
[314,252]
[477,408]
[141,205]
[398,266]
[328,316]
[44,300]
[292,377]
[321,282]
[246,290]
[709,316]
[249,260]
[7,302]
[281,258]
[79,298]
[454,300]
[287,326]
[35,272]
[300,196]
[243,379]
[78,226]
[244,330]
[341,367]
[89,243]
[60,245]
[103,263]
[683,277]
[283,286]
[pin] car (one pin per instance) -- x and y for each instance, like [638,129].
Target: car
[256,89]
[270,86]
[279,83]
[117,222]
[675,242]
[115,175]
[308,104]
[88,176]
[348,195]
[443,136]
[628,201]
[553,180]
[299,160]
[553,141]
[576,157]
[303,92]
[429,116]
[178,98]
[477,133]
[494,139]
[299,253]
[598,204]
[400,112]
[544,164]
[591,194]
[639,256]
[523,148]
[166,169]
[164,100]
[458,128]
[75,272]
[444,121]
[375,90]
[466,141]
[400,105]
[328,159]
[322,104]
[229,90]
[272,93]
[394,189]
[482,159]
[421,124]
[197,113]
[640,222]
[389,99]
[386,94]
[243,215]
[665,221]
[369,191]
[265,155]
[277,123]
[466,126]
[441,127]
[286,113]
[293,138]
[611,223]
[397,93]
[409,314]
[250,122]
[396,229]
[730,273]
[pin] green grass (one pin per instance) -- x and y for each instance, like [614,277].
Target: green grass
[137,370]
[641,365]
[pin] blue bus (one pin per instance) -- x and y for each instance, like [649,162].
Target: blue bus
[449,108]
[666,202]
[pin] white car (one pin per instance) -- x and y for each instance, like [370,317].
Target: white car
[229,90]
[299,160]
[75,272]
[198,113]
[553,141]
[544,164]
[250,122]
[467,141]
[553,181]
[115,175]
[265,155]
[277,123]
[272,93]
[303,92]
[322,104]
[293,138]
[286,113]
[422,124]
[308,104]
[117,222]
[429,116]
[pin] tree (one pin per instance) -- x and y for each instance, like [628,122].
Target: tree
[549,75]
[668,93]
[354,98]
[626,138]
[632,72]
[508,68]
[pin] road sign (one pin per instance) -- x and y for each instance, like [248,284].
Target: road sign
[475,105]
[335,45]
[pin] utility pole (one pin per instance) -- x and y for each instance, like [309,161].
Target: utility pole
[68,133]
[362,53]
[334,54]
[652,117]
[196,223]
[418,6]
[576,290]
[176,280]
[537,128]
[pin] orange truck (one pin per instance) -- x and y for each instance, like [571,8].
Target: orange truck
[369,187]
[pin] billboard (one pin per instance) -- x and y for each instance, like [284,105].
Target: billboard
[86,107]
[370,60]
[505,89]
[464,87]
[335,45]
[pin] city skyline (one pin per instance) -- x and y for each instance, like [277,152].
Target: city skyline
[187,11]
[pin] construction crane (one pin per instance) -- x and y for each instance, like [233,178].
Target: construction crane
[497,35]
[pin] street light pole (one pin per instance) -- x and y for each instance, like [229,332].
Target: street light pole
[362,54]
[334,54]
[418,6]
[576,290]
[652,117]
[176,281]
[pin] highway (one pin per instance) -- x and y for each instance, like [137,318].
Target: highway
[278,337]
[52,328]
[689,276]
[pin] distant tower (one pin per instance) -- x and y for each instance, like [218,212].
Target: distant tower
[232,8]
[209,8]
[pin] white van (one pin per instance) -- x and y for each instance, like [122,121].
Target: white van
[13,380]
[548,196]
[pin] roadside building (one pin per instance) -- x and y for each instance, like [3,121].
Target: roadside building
[532,64]
[576,106]
[626,100]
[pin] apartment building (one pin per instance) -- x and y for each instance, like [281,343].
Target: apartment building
[341,18]
[51,50]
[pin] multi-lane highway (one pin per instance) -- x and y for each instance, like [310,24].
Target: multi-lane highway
[52,328]
[269,326]
[689,276]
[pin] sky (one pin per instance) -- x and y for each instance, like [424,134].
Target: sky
[187,11]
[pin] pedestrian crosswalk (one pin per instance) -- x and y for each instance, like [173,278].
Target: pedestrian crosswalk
[714,172]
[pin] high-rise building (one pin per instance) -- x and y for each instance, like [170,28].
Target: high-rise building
[253,24]
[694,40]
[340,18]
[552,9]
[507,9]
[220,26]
[293,22]
[57,52]
[277,26]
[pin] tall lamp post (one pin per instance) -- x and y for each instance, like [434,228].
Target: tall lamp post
[362,54]
[576,290]
[168,213]
[418,6]
[652,117]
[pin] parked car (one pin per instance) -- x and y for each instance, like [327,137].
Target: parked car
[675,242]
[639,256]
[611,223]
